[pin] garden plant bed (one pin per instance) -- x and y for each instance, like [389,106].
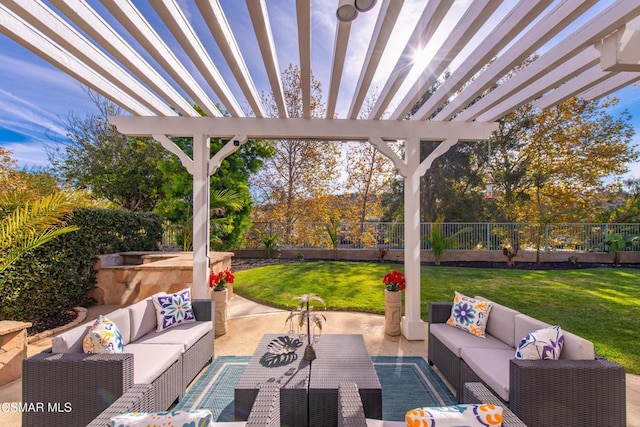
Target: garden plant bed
[52,322]
[533,265]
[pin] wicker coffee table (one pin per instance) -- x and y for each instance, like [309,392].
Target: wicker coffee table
[309,390]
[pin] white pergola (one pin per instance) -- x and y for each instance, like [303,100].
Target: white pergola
[586,48]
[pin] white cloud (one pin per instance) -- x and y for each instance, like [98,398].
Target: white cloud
[28,155]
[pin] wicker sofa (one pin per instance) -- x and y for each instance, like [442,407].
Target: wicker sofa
[576,390]
[73,388]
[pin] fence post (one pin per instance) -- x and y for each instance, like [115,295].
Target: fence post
[488,236]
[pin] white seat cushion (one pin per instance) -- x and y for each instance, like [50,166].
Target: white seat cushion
[492,366]
[185,334]
[151,360]
[455,339]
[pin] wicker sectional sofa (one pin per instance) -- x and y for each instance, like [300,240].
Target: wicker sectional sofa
[576,390]
[73,388]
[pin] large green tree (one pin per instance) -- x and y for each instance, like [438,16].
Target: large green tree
[231,202]
[295,183]
[95,156]
[561,164]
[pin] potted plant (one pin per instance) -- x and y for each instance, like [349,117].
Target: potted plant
[218,285]
[394,283]
[306,316]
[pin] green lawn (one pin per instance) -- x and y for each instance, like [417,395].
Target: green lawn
[602,304]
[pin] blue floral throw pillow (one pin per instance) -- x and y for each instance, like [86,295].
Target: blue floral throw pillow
[103,337]
[470,314]
[543,344]
[174,309]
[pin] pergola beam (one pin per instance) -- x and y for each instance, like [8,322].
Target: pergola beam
[295,128]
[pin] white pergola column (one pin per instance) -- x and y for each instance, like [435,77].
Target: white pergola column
[412,324]
[201,149]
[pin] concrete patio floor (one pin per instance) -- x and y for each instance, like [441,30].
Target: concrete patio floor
[249,321]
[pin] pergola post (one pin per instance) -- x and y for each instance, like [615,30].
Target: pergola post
[412,324]
[201,149]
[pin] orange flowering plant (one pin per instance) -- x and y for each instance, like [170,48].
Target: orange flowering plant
[394,281]
[218,281]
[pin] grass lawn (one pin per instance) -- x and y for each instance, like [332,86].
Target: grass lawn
[601,304]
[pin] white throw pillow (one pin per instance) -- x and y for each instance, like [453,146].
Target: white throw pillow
[469,415]
[198,417]
[543,344]
[173,309]
[103,337]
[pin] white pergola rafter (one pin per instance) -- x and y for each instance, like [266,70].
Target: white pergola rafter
[123,56]
[262,28]
[143,31]
[472,20]
[215,18]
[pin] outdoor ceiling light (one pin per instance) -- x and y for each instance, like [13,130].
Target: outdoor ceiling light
[364,5]
[347,11]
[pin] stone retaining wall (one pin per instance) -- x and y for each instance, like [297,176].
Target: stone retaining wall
[129,277]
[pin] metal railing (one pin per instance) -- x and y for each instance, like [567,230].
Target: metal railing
[459,236]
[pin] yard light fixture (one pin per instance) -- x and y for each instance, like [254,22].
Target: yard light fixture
[347,11]
[364,5]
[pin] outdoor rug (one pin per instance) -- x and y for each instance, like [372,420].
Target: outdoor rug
[407,383]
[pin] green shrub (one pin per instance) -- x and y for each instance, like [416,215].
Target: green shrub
[57,276]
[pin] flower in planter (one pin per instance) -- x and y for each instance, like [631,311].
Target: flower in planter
[218,281]
[394,281]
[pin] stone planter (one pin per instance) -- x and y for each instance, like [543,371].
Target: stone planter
[220,298]
[13,349]
[392,312]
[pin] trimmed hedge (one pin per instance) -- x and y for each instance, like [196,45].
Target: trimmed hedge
[57,276]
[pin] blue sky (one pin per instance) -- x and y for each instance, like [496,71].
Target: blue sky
[35,97]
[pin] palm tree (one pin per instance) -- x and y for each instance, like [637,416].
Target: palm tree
[33,222]
[220,202]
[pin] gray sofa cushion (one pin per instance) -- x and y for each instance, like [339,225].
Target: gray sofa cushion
[575,347]
[501,323]
[71,340]
[492,366]
[455,339]
[186,334]
[143,318]
[151,360]
[122,320]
